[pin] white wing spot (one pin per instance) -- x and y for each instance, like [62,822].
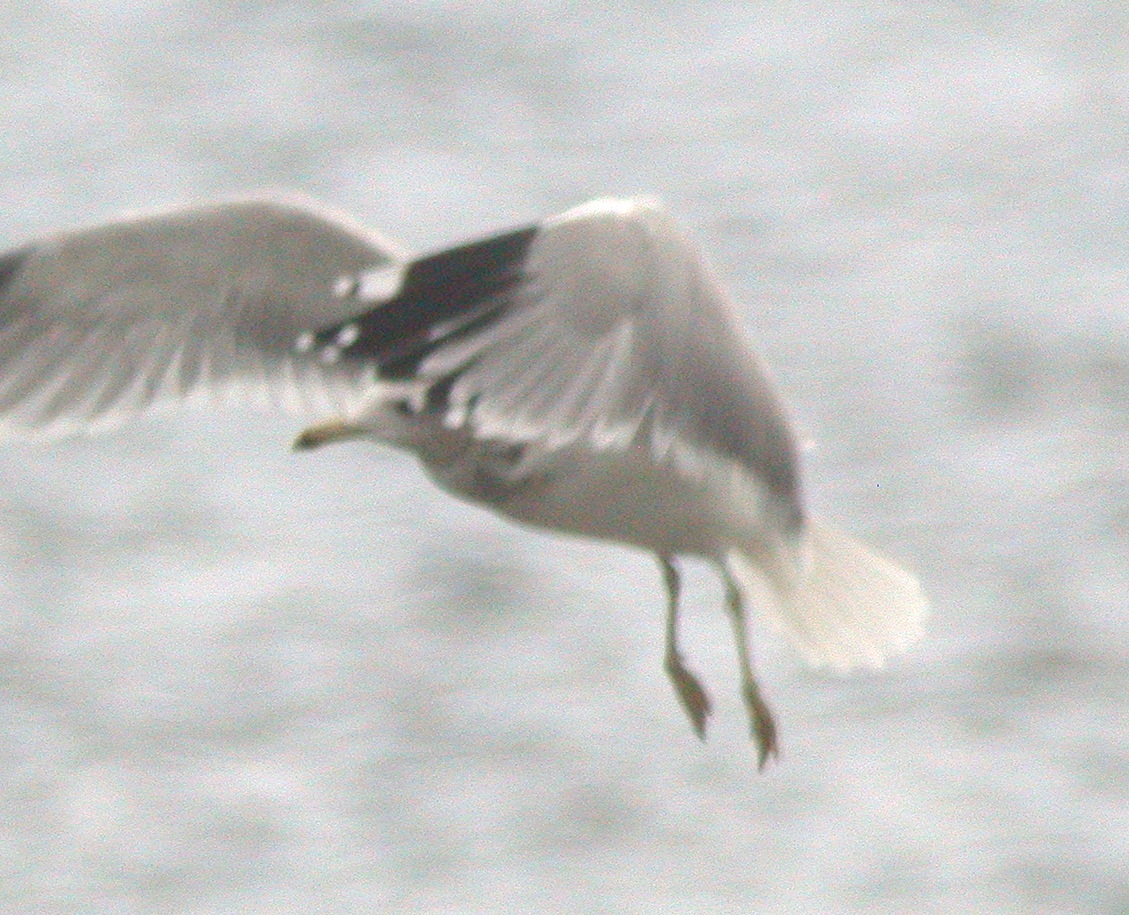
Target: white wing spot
[345,286]
[440,330]
[381,283]
[304,342]
[347,335]
[329,355]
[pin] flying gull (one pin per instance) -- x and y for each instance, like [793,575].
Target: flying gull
[586,374]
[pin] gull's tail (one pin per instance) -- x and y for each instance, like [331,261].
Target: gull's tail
[844,607]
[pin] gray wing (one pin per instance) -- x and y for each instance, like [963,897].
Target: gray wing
[99,323]
[600,327]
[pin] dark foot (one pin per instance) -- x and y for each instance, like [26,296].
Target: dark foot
[762,727]
[691,694]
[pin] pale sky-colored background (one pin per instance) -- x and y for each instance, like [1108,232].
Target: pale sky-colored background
[236,679]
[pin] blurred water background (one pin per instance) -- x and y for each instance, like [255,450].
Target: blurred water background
[235,679]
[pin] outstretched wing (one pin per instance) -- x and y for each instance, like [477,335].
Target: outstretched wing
[99,323]
[599,326]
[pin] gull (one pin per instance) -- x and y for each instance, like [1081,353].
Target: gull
[585,374]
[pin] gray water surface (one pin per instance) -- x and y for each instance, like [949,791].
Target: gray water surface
[236,679]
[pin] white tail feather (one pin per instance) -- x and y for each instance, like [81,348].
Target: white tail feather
[847,607]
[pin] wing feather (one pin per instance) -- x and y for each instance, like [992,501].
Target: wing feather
[599,327]
[602,327]
[100,323]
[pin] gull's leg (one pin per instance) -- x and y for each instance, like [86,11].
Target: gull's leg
[327,431]
[761,724]
[686,685]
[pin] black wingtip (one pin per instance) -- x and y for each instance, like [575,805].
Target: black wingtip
[441,296]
